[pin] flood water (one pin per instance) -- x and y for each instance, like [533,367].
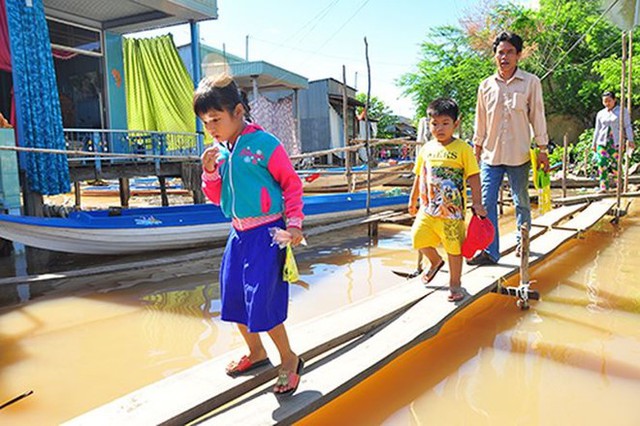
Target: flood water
[573,358]
[82,342]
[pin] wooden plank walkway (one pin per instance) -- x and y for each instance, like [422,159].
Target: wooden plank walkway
[340,371]
[594,212]
[578,199]
[556,215]
[205,387]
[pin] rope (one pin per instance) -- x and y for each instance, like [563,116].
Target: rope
[93,154]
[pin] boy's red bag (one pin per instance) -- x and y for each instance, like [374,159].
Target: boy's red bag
[479,235]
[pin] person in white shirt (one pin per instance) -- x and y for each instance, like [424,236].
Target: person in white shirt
[509,111]
[606,139]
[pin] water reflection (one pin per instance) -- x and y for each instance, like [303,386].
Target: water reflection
[575,351]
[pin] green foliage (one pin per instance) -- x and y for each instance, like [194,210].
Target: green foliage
[572,88]
[449,68]
[456,59]
[609,70]
[379,111]
[581,154]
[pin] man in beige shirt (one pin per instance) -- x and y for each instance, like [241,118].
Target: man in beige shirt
[509,106]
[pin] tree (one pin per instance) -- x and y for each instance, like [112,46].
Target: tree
[380,112]
[456,59]
[608,69]
[449,68]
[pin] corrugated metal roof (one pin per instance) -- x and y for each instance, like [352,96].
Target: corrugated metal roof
[131,15]
[269,76]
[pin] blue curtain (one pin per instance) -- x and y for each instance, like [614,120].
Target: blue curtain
[36,92]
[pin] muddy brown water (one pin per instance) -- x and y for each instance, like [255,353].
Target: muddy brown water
[81,342]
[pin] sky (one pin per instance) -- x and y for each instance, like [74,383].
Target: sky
[315,39]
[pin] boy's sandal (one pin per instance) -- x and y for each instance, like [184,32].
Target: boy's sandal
[244,365]
[455,295]
[429,275]
[288,381]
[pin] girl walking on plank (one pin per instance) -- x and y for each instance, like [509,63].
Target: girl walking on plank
[248,174]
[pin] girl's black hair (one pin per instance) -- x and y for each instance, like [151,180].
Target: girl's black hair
[220,94]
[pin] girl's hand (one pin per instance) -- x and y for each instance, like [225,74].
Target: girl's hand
[296,235]
[209,158]
[413,209]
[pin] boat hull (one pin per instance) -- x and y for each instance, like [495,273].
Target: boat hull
[146,230]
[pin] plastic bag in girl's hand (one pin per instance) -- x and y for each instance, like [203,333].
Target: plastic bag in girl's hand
[290,271]
[281,237]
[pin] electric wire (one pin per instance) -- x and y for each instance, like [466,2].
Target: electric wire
[579,40]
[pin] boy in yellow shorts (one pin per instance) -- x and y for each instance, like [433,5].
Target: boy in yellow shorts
[443,167]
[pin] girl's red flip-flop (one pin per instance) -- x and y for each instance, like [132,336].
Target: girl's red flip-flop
[289,379]
[244,366]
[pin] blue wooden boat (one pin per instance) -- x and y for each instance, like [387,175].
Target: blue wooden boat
[136,230]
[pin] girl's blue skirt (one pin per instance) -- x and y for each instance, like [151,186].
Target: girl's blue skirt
[252,290]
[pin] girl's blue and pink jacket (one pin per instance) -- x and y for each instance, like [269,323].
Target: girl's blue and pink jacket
[255,183]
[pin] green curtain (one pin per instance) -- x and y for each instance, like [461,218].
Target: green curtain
[158,86]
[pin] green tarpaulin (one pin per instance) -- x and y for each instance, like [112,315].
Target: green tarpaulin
[159,89]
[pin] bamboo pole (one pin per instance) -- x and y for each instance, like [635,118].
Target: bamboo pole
[565,146]
[97,154]
[524,254]
[523,294]
[78,194]
[364,172]
[367,135]
[627,159]
[345,129]
[374,142]
[359,143]
[621,145]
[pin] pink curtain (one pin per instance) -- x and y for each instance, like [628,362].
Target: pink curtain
[5,55]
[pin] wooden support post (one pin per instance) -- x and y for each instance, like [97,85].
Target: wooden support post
[163,191]
[523,289]
[621,134]
[32,201]
[373,232]
[627,158]
[565,166]
[524,254]
[345,129]
[77,193]
[367,131]
[125,191]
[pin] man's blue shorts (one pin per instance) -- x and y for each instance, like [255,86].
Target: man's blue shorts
[252,290]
